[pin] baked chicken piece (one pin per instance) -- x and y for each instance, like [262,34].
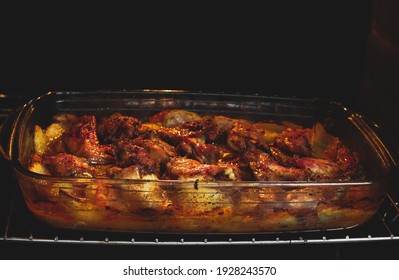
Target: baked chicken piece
[186,169]
[183,168]
[67,165]
[265,168]
[158,150]
[213,129]
[81,140]
[127,153]
[204,153]
[244,135]
[294,141]
[117,127]
[322,156]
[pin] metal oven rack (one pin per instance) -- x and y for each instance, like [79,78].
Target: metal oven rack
[18,224]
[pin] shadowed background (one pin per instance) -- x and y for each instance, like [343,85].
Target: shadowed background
[303,49]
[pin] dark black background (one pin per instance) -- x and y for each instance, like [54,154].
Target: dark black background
[294,48]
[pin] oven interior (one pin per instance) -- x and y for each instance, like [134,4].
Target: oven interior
[17,224]
[353,60]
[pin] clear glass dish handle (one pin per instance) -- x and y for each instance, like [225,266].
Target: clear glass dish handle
[7,130]
[392,150]
[389,142]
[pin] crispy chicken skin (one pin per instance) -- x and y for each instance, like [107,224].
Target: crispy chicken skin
[117,127]
[81,140]
[266,169]
[294,141]
[128,153]
[178,144]
[244,135]
[157,149]
[186,169]
[67,165]
[183,168]
[204,153]
[214,129]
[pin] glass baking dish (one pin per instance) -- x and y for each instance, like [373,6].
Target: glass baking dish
[174,206]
